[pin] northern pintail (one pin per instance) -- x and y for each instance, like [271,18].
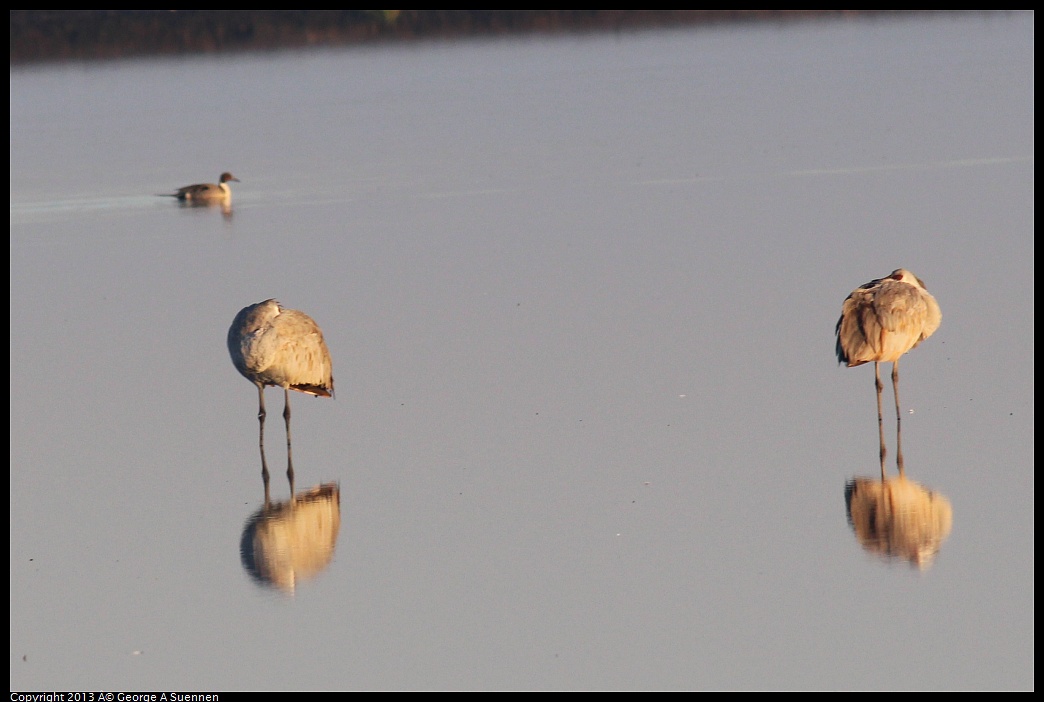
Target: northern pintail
[209,192]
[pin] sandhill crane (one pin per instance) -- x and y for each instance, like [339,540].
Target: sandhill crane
[208,192]
[880,321]
[273,345]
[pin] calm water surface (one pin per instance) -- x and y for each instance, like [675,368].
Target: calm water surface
[580,293]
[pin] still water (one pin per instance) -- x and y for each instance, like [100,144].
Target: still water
[589,431]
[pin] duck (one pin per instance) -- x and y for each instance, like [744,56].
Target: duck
[208,192]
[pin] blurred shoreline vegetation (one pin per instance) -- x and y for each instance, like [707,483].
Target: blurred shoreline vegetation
[83,35]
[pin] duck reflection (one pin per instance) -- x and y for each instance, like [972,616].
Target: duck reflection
[224,205]
[896,518]
[285,543]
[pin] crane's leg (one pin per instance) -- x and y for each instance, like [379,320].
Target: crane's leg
[289,454]
[880,419]
[261,435]
[898,418]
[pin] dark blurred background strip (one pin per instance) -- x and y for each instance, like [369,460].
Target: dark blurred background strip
[60,35]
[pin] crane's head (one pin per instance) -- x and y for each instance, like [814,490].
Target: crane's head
[904,276]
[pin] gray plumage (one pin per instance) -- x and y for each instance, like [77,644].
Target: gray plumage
[880,321]
[272,345]
[885,318]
